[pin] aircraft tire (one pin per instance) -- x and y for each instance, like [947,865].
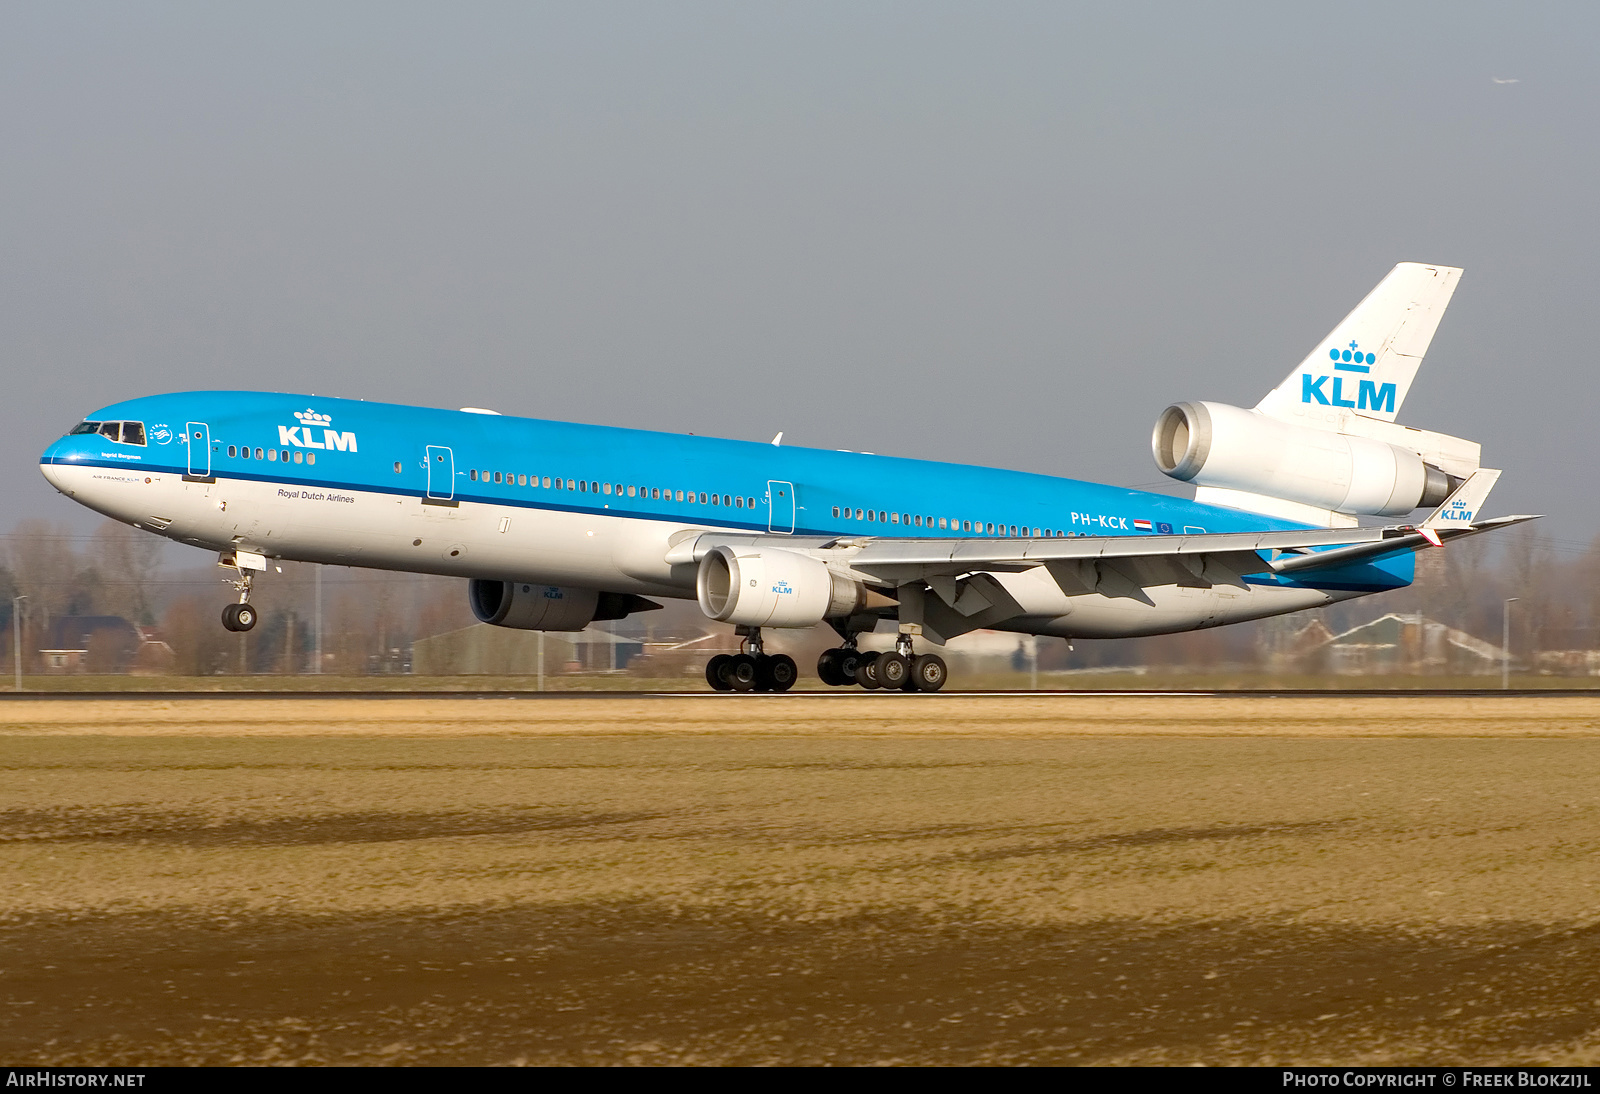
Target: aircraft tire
[893,671]
[845,663]
[227,617]
[827,668]
[867,671]
[929,672]
[742,673]
[714,672]
[244,617]
[779,673]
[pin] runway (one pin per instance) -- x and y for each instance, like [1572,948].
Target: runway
[800,879]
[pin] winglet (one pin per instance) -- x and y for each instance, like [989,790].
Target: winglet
[778,440]
[1460,509]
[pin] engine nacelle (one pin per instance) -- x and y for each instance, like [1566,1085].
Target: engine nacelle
[773,588]
[1214,444]
[528,607]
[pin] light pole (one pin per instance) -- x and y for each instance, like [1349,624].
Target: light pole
[16,636]
[318,669]
[1505,642]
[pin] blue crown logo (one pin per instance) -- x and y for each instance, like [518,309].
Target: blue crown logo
[1352,359]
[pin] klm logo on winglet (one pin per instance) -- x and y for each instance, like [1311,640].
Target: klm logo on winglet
[300,435]
[1369,395]
[1458,511]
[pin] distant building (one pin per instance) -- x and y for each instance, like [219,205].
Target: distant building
[1407,644]
[89,643]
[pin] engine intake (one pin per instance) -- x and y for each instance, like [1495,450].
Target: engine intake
[1214,444]
[773,588]
[524,606]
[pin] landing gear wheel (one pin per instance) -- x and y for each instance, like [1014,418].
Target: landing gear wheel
[716,670]
[893,670]
[238,617]
[867,671]
[929,672]
[828,668]
[845,663]
[742,672]
[779,673]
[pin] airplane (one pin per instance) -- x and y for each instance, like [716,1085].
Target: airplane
[557,525]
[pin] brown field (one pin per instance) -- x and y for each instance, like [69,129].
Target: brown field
[836,878]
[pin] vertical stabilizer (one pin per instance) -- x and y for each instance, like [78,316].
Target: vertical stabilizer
[1364,367]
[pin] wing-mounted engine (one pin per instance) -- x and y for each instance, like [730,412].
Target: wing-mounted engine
[527,607]
[771,587]
[1226,447]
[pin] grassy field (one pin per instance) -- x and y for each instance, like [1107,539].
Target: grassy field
[803,879]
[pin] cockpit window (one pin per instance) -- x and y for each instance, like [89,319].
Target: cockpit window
[121,432]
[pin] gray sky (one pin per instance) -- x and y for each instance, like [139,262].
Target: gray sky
[993,233]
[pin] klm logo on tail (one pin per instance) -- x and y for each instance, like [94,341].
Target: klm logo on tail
[1369,395]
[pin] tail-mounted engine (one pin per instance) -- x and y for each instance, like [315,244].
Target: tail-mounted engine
[528,607]
[1213,444]
[773,588]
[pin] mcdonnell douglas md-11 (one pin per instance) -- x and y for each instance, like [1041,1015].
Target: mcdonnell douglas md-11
[557,525]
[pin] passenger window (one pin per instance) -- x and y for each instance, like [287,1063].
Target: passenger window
[258,453]
[749,503]
[858,514]
[299,457]
[522,480]
[473,474]
[608,488]
[230,451]
[133,433]
[547,482]
[680,495]
[244,452]
[894,518]
[594,486]
[835,510]
[943,522]
[1036,531]
[583,486]
[702,499]
[497,476]
[655,494]
[311,457]
[738,503]
[631,490]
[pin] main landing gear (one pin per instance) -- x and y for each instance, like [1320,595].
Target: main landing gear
[899,670]
[240,616]
[751,669]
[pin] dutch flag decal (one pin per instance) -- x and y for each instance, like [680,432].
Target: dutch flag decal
[1142,525]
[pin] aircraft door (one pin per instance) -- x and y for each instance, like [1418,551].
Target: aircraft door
[780,507]
[197,435]
[441,476]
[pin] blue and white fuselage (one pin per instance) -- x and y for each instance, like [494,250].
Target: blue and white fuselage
[476,495]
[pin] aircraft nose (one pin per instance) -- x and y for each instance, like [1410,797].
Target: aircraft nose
[49,460]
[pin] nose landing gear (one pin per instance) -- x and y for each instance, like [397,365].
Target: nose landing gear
[240,616]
